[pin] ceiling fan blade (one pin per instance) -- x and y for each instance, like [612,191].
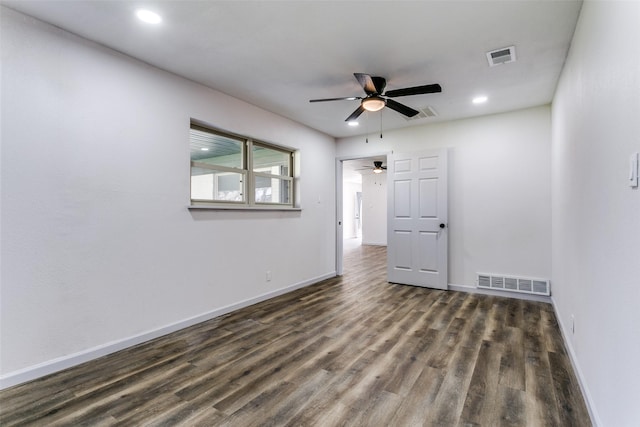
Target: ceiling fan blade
[400,108]
[371,85]
[356,114]
[416,90]
[349,98]
[380,83]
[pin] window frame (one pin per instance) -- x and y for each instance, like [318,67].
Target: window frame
[253,174]
[248,175]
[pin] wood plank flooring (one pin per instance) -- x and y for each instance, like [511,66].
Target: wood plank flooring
[350,351]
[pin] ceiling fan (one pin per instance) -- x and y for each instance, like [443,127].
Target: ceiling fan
[376,100]
[377,167]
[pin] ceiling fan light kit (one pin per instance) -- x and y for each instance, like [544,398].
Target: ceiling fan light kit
[373,103]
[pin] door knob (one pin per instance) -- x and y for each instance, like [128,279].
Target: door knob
[442,225]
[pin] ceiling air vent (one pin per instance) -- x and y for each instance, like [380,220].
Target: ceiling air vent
[424,113]
[501,56]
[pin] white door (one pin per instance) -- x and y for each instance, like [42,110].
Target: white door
[417,219]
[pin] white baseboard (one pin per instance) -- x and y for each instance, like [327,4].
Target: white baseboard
[595,419]
[498,293]
[55,365]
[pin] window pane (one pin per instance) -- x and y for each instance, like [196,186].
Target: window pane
[272,190]
[207,184]
[270,161]
[219,150]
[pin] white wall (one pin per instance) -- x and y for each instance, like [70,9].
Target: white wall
[374,209]
[596,215]
[350,228]
[499,189]
[98,246]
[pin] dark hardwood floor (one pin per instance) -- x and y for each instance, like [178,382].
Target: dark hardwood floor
[353,351]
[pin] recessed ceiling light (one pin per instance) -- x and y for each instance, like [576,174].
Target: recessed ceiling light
[479,99]
[352,123]
[148,16]
[204,149]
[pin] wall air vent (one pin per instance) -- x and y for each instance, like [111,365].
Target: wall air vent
[526,285]
[501,56]
[424,113]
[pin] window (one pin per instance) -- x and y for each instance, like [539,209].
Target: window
[233,171]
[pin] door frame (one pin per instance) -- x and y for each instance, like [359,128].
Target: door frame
[340,206]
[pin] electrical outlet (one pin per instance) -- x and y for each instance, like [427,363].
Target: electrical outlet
[268,275]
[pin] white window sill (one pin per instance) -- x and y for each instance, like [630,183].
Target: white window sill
[243,208]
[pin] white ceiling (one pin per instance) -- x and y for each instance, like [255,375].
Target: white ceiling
[279,54]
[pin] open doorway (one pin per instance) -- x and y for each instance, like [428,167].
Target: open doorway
[362,205]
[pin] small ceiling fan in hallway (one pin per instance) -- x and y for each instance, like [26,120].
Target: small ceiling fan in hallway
[377,167]
[377,99]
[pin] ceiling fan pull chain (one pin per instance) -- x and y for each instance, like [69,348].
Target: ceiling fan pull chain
[366,118]
[380,124]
